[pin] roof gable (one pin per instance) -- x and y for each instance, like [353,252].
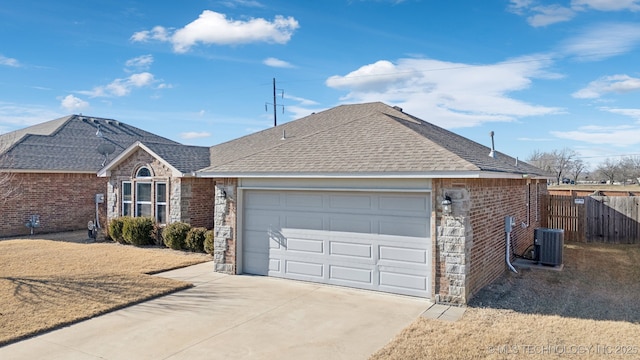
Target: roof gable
[180,159]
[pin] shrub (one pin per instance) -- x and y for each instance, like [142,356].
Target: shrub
[208,242]
[137,230]
[115,230]
[195,239]
[175,234]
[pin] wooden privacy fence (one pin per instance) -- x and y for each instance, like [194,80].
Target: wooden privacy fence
[610,219]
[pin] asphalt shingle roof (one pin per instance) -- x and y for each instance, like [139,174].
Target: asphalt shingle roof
[71,144]
[361,138]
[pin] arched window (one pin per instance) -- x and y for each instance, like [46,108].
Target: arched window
[143,172]
[145,196]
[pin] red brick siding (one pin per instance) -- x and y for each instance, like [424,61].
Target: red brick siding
[64,202]
[198,203]
[491,201]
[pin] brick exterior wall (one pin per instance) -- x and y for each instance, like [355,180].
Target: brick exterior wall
[469,250]
[197,201]
[64,201]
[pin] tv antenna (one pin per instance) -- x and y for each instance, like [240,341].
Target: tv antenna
[105,150]
[275,104]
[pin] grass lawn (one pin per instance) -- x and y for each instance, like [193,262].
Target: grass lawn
[47,284]
[590,310]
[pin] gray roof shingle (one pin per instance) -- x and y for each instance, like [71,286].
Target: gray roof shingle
[70,144]
[361,138]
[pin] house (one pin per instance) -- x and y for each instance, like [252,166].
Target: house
[364,195]
[52,168]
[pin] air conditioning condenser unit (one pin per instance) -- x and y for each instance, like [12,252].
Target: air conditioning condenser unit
[548,245]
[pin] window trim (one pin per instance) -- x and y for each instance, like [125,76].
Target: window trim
[139,202]
[158,204]
[127,202]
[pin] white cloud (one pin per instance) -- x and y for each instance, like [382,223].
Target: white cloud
[632,113]
[73,104]
[9,61]
[157,33]
[214,28]
[543,15]
[122,87]
[142,62]
[615,136]
[608,5]
[608,84]
[15,116]
[603,41]
[547,15]
[273,62]
[194,135]
[301,101]
[448,94]
[519,6]
[245,3]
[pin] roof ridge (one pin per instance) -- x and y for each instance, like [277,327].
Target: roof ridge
[397,121]
[294,140]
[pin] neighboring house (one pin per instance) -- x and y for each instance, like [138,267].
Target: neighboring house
[349,196]
[52,166]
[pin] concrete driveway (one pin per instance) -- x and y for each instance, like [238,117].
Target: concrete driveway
[234,317]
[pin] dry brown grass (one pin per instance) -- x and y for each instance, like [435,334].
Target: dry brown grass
[590,310]
[47,284]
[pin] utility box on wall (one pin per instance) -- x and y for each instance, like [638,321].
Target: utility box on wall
[548,244]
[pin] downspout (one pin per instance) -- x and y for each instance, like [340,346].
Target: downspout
[509,222]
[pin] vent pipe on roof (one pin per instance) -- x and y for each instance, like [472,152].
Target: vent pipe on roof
[492,153]
[398,108]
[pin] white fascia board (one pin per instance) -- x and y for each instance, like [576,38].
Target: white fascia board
[106,171]
[406,175]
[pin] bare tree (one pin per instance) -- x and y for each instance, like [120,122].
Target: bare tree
[577,167]
[557,162]
[609,169]
[629,168]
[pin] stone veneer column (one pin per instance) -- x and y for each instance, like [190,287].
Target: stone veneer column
[223,224]
[454,241]
[112,201]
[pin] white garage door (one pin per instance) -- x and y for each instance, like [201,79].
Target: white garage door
[377,241]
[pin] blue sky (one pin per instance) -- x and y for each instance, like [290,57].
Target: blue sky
[542,75]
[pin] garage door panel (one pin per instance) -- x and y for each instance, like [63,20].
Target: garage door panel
[303,200]
[403,281]
[350,224]
[350,249]
[377,241]
[262,220]
[307,222]
[263,199]
[305,245]
[351,202]
[352,274]
[403,254]
[404,203]
[306,269]
[398,226]
[274,265]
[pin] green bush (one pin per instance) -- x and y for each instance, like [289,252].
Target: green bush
[175,234]
[208,242]
[195,239]
[138,230]
[115,230]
